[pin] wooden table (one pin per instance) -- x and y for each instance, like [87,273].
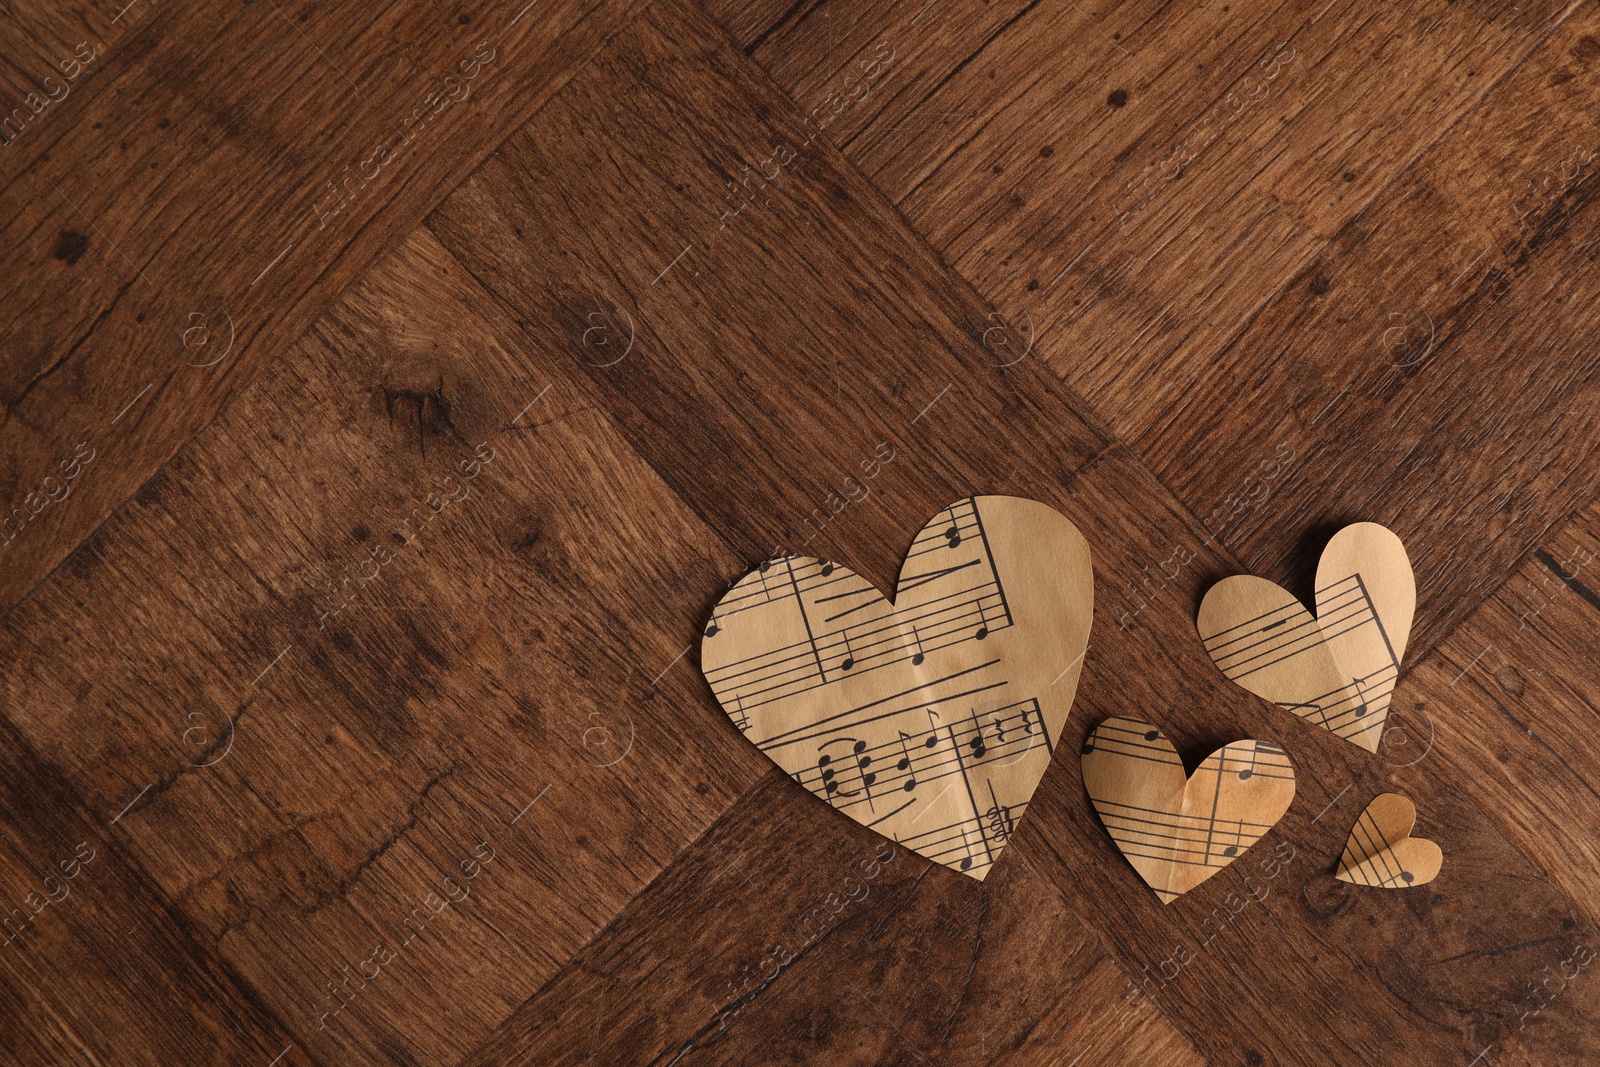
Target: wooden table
[389,392]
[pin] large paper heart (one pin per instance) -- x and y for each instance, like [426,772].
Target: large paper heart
[1381,851]
[1337,670]
[1178,831]
[932,719]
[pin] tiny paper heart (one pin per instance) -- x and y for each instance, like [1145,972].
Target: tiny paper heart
[1337,670]
[1177,831]
[931,719]
[1381,851]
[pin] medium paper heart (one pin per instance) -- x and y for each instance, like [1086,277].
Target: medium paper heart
[1337,670]
[1178,831]
[1381,851]
[929,720]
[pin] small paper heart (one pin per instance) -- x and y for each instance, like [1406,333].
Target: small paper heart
[1381,851]
[931,719]
[1336,670]
[1178,831]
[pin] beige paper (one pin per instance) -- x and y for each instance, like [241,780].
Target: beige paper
[1381,851]
[1337,670]
[932,719]
[1177,832]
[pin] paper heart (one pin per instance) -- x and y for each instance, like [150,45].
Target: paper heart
[932,719]
[1381,851]
[1337,670]
[1178,831]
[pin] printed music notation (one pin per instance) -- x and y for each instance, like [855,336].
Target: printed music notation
[904,715]
[1382,854]
[851,773]
[1341,663]
[954,596]
[1367,859]
[1179,832]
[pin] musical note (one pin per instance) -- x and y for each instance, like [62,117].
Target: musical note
[908,761]
[862,763]
[1361,693]
[917,660]
[979,749]
[966,846]
[829,774]
[1249,772]
[1001,822]
[850,657]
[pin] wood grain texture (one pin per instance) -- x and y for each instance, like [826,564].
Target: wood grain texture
[1438,370]
[1181,231]
[362,659]
[138,300]
[806,975]
[507,209]
[1508,704]
[403,744]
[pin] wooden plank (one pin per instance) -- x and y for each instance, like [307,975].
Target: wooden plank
[1106,1022]
[213,182]
[774,950]
[1505,703]
[86,938]
[1428,375]
[735,400]
[310,766]
[1140,195]
[306,704]
[1133,225]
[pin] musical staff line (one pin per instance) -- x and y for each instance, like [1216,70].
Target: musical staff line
[844,718]
[925,757]
[1177,830]
[1283,635]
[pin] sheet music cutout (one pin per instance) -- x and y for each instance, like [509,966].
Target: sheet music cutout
[932,719]
[1337,670]
[1177,831]
[1381,853]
